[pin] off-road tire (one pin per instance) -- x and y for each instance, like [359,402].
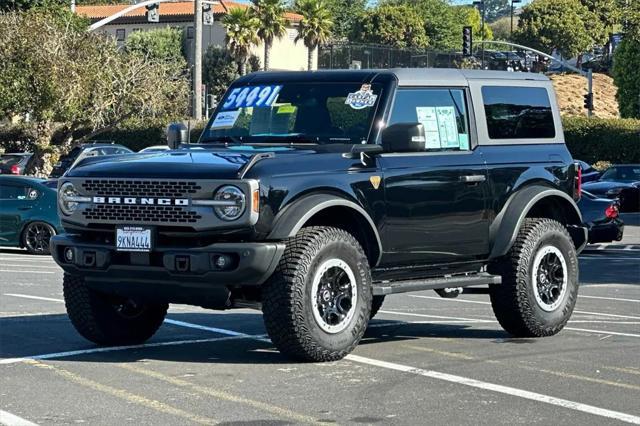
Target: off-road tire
[95,317]
[287,300]
[514,302]
[376,304]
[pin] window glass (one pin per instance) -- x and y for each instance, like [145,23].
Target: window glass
[443,113]
[518,112]
[120,34]
[17,192]
[306,112]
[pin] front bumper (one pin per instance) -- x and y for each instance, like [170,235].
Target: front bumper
[173,267]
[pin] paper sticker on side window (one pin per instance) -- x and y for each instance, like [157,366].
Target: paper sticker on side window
[251,96]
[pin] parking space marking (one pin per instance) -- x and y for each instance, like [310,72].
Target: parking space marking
[585,378]
[506,390]
[17,265]
[8,419]
[615,333]
[450,300]
[124,394]
[627,370]
[606,315]
[587,257]
[28,296]
[31,272]
[222,395]
[611,298]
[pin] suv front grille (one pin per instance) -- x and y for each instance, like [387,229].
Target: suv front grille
[140,188]
[137,214]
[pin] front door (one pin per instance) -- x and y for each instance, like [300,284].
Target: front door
[436,200]
[15,201]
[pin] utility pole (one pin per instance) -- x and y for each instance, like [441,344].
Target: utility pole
[73,6]
[197,61]
[512,11]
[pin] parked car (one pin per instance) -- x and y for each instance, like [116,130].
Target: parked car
[601,215]
[155,148]
[28,213]
[620,182]
[14,163]
[589,174]
[79,153]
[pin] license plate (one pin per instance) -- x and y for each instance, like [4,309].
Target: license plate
[133,238]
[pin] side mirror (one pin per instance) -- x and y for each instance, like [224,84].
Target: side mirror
[404,137]
[176,135]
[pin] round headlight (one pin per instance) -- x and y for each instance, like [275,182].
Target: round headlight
[232,202]
[66,192]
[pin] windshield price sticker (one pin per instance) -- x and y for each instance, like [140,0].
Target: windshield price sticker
[225,119]
[251,96]
[363,98]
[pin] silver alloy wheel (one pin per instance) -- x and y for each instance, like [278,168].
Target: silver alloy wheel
[334,294]
[550,276]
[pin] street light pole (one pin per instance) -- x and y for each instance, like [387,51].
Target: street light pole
[197,61]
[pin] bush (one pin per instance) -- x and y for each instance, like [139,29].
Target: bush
[626,74]
[598,139]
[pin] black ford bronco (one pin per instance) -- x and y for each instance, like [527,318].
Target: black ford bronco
[313,195]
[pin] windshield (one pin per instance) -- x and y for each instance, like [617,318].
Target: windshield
[622,174]
[307,112]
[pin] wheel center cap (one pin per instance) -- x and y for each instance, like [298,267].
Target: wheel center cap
[326,295]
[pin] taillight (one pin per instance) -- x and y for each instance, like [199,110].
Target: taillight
[578,183]
[15,169]
[612,211]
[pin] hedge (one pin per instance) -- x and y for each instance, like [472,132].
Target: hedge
[599,139]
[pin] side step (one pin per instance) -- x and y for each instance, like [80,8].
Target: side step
[392,287]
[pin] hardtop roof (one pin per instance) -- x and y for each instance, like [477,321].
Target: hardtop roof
[405,76]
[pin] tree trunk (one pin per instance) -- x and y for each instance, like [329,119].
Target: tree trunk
[243,67]
[43,153]
[310,50]
[267,54]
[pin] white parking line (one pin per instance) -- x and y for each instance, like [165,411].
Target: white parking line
[15,265]
[26,296]
[31,272]
[614,333]
[507,390]
[449,300]
[606,315]
[610,298]
[584,257]
[8,419]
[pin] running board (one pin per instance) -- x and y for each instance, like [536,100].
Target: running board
[392,287]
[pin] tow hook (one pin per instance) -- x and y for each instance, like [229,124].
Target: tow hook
[449,293]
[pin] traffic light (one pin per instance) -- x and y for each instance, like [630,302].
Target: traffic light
[153,12]
[467,41]
[588,101]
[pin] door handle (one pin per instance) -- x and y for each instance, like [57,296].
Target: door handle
[25,208]
[473,178]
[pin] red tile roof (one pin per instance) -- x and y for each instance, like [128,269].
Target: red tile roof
[184,8]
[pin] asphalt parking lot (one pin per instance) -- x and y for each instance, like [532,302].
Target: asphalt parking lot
[424,360]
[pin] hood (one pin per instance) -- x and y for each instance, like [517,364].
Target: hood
[189,164]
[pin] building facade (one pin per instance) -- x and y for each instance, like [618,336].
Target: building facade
[286,54]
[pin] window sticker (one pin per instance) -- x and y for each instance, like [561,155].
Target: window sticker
[363,98]
[251,96]
[464,141]
[225,119]
[427,116]
[286,109]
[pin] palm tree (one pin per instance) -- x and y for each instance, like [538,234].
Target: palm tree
[271,24]
[315,27]
[242,33]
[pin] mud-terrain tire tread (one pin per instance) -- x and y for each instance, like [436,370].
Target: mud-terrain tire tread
[284,296]
[94,319]
[511,302]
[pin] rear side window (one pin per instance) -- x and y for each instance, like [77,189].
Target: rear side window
[518,112]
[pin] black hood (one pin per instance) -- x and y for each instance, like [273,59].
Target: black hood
[189,164]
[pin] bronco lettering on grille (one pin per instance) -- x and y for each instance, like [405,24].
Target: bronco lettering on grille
[142,201]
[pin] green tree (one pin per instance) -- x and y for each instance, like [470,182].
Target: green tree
[242,33]
[608,13]
[626,74]
[271,24]
[12,5]
[565,26]
[220,70]
[397,25]
[162,44]
[471,16]
[68,81]
[630,18]
[315,27]
[345,15]
[501,28]
[496,9]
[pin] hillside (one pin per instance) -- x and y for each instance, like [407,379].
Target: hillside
[570,89]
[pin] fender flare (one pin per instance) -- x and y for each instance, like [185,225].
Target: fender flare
[505,227]
[293,217]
